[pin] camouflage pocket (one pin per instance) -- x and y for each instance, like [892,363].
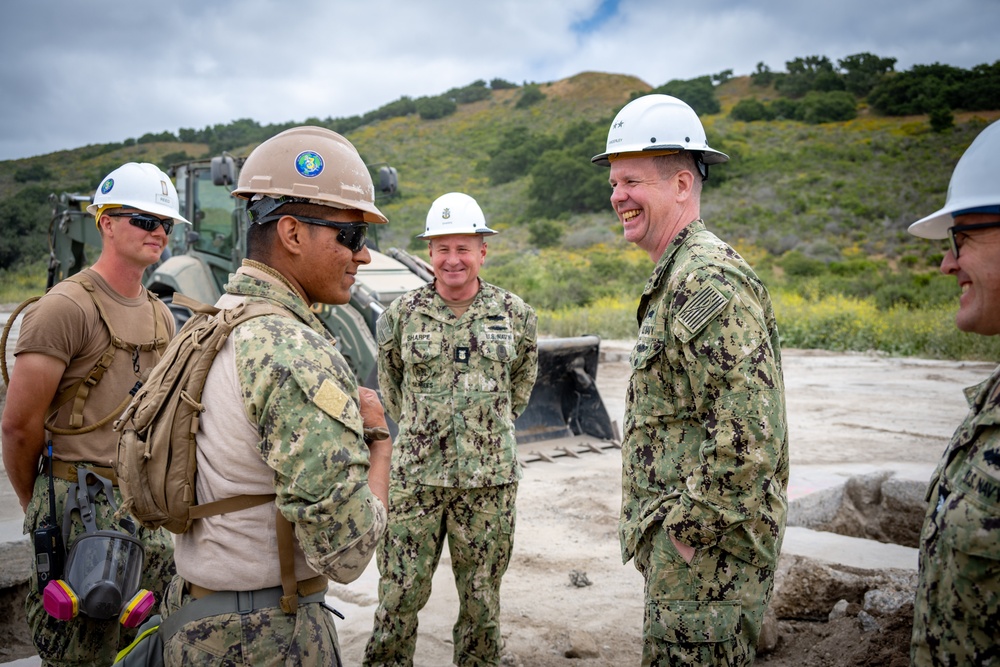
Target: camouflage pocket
[688,621]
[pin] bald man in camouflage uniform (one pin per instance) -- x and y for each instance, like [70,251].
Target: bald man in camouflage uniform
[457,362]
[705,452]
[283,415]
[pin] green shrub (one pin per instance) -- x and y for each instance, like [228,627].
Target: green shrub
[531,94]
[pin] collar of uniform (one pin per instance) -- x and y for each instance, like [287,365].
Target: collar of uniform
[666,259]
[985,397]
[245,283]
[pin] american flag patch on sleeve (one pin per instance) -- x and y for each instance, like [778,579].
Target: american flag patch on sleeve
[701,308]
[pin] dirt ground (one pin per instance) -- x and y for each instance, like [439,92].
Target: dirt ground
[568,600]
[848,415]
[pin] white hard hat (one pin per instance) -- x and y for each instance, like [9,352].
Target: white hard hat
[308,163]
[139,185]
[657,123]
[974,187]
[455,213]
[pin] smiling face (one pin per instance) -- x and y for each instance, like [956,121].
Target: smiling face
[977,270]
[130,243]
[653,201]
[332,267]
[456,259]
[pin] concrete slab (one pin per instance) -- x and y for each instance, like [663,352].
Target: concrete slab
[850,551]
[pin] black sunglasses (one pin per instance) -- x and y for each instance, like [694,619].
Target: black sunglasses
[146,221]
[961,229]
[352,235]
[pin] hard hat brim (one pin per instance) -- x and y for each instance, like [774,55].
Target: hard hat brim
[484,231]
[936,225]
[708,156]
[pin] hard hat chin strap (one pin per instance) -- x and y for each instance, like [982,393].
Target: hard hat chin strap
[262,206]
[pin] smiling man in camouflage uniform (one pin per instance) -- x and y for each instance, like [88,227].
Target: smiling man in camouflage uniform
[957,605]
[705,453]
[283,415]
[457,362]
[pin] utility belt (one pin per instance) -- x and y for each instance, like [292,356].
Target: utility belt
[67,470]
[147,649]
[246,601]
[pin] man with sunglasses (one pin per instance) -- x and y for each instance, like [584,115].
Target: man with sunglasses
[957,605]
[457,362]
[283,415]
[82,347]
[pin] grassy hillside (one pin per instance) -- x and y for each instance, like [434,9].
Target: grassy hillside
[820,210]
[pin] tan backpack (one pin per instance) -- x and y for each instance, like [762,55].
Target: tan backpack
[156,449]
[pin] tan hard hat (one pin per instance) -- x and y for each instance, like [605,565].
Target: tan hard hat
[310,164]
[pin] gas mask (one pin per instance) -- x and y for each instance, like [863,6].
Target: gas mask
[104,567]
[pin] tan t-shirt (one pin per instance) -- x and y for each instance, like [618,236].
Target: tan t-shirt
[65,324]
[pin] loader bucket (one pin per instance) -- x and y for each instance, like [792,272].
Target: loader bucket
[565,401]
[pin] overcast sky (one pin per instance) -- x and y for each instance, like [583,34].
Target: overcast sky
[74,72]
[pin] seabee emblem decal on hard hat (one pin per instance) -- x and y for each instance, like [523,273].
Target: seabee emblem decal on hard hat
[445,213]
[309,164]
[107,185]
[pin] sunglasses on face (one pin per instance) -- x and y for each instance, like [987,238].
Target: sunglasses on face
[352,235]
[147,222]
[957,234]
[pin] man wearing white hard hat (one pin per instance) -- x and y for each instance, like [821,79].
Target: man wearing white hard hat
[457,362]
[705,449]
[957,605]
[80,350]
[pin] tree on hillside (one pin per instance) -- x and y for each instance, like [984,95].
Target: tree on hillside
[531,94]
[809,73]
[23,217]
[762,76]
[918,90]
[473,92]
[432,108]
[862,71]
[699,93]
[826,107]
[515,154]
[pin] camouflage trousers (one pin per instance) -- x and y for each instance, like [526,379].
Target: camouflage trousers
[83,640]
[265,637]
[705,613]
[479,524]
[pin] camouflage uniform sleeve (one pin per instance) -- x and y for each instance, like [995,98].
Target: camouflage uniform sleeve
[390,363]
[736,383]
[300,392]
[525,368]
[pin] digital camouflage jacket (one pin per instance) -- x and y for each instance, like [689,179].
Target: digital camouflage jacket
[456,385]
[957,605]
[705,450]
[300,395]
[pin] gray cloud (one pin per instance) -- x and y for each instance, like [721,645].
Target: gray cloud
[77,73]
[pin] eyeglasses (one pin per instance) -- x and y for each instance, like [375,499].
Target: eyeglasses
[352,235]
[146,221]
[960,230]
